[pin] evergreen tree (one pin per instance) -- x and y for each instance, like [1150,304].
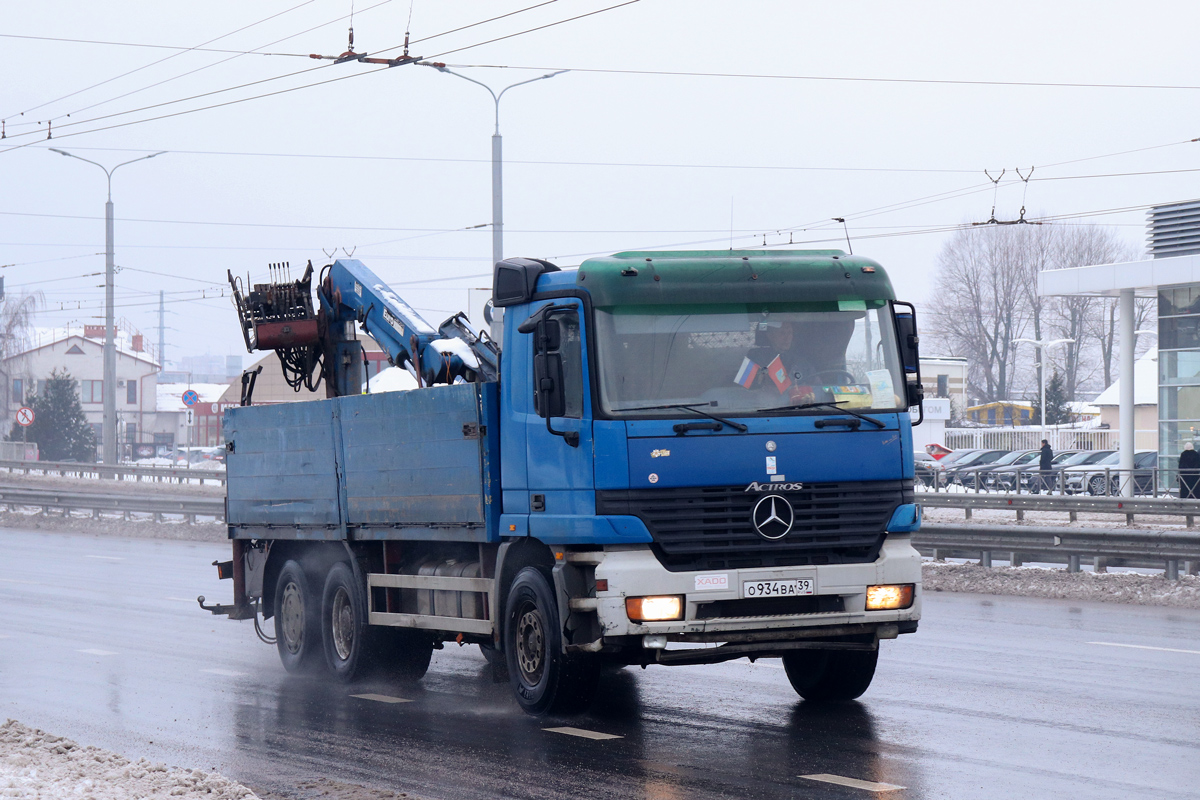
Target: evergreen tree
[59,426]
[1057,410]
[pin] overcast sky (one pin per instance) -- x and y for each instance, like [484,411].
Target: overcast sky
[393,164]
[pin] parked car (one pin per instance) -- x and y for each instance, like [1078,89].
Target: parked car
[927,469]
[1063,461]
[1103,478]
[1003,477]
[1030,474]
[961,470]
[982,473]
[947,460]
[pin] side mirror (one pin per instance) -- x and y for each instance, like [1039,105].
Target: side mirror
[909,342]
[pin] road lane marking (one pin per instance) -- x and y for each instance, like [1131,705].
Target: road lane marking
[583,734]
[381,698]
[1148,647]
[92,651]
[225,673]
[854,783]
[107,558]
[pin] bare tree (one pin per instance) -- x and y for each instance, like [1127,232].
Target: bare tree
[983,305]
[16,327]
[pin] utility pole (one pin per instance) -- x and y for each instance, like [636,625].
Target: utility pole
[162,339]
[109,427]
[1041,346]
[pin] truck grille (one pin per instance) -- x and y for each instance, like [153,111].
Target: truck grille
[703,528]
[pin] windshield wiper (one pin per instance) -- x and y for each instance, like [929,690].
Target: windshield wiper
[836,406]
[693,407]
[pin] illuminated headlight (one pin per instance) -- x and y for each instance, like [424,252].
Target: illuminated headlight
[654,609]
[889,597]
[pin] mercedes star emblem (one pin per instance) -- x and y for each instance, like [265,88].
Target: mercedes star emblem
[772,516]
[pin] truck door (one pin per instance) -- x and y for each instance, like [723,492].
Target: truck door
[559,447]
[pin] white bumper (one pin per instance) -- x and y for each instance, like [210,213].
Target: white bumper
[636,572]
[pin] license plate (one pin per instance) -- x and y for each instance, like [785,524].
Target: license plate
[778,588]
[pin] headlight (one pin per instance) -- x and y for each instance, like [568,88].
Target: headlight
[654,609]
[889,597]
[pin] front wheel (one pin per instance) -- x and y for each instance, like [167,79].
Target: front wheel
[1098,486]
[544,679]
[830,676]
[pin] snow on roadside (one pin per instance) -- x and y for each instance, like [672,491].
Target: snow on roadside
[1112,587]
[36,764]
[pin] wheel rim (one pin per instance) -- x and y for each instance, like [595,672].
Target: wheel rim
[343,624]
[291,618]
[531,644]
[1098,486]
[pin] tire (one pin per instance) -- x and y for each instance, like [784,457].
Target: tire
[1097,485]
[544,679]
[297,621]
[830,676]
[404,653]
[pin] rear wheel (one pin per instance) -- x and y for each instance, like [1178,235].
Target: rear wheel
[544,679]
[830,676]
[297,620]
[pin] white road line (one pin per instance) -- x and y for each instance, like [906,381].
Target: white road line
[1148,647]
[583,734]
[107,558]
[225,673]
[91,651]
[854,783]
[768,666]
[381,698]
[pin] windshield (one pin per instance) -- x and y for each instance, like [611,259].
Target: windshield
[741,359]
[956,456]
[1014,456]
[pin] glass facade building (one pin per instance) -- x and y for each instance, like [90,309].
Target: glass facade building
[1178,374]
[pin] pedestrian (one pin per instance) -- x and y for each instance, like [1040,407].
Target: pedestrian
[1045,465]
[1189,473]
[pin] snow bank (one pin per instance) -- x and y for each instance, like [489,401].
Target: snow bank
[1112,587]
[36,764]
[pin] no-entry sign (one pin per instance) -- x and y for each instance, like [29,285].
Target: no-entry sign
[25,416]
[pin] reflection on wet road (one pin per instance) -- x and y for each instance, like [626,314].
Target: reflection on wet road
[994,697]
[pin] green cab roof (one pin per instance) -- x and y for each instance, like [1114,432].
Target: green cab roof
[731,276]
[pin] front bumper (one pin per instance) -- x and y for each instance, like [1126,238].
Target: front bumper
[635,572]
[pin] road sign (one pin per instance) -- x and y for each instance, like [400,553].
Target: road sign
[191,417]
[190,398]
[25,416]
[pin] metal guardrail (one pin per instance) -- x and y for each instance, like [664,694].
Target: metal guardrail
[51,499]
[1071,504]
[114,471]
[1109,547]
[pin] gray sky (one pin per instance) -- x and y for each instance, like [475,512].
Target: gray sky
[595,162]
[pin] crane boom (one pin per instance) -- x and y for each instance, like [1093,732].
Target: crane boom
[315,345]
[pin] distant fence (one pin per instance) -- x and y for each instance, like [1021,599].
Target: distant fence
[1030,438]
[18,451]
[114,471]
[188,508]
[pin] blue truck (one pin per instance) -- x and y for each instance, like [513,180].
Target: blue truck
[661,458]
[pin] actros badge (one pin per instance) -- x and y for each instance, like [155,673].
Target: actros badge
[772,516]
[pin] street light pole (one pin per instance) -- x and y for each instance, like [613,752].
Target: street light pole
[497,156]
[1041,346]
[108,430]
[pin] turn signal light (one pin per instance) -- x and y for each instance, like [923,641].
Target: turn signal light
[889,597]
[654,609]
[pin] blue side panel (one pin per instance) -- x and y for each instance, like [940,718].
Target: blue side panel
[282,470]
[612,454]
[408,461]
[568,529]
[514,375]
[907,459]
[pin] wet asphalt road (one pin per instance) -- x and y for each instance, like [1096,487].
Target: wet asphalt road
[101,640]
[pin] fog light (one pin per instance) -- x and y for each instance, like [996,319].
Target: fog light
[651,609]
[890,597]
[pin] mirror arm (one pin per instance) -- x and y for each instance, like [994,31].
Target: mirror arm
[570,437]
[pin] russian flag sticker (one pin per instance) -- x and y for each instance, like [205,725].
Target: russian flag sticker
[746,375]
